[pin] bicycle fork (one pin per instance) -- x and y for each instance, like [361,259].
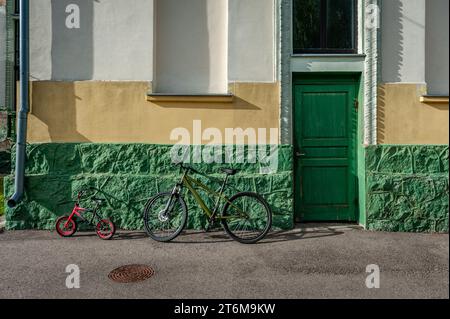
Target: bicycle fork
[168,209]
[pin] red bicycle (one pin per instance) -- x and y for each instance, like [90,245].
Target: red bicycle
[67,226]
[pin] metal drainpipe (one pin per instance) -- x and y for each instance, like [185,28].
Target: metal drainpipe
[22,116]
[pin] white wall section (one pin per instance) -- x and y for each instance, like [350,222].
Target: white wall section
[124,39]
[252,40]
[195,46]
[41,40]
[437,47]
[114,41]
[403,41]
[191,46]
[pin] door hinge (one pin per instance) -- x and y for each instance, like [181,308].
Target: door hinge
[356,104]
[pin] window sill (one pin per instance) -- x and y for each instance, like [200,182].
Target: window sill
[190,98]
[434,99]
[328,55]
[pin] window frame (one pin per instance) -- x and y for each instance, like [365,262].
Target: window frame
[323,32]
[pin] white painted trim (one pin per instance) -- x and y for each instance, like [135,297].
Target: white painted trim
[276,40]
[371,46]
[360,40]
[407,83]
[327,55]
[328,64]
[292,63]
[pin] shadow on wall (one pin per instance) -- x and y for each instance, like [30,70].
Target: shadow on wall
[182,58]
[72,48]
[443,107]
[394,73]
[437,47]
[126,175]
[381,114]
[72,60]
[60,123]
[397,40]
[238,104]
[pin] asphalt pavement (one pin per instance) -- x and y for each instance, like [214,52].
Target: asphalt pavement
[312,261]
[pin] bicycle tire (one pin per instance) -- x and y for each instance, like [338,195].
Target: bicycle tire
[100,232]
[62,232]
[235,234]
[148,219]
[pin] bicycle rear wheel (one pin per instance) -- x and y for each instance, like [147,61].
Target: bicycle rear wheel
[247,218]
[165,216]
[105,229]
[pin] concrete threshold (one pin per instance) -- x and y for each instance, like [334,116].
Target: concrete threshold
[327,227]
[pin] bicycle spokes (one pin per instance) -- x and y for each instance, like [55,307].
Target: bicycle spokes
[165,216]
[246,217]
[105,229]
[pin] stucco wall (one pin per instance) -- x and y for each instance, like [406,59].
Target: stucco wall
[403,41]
[114,41]
[403,119]
[118,112]
[2,54]
[251,52]
[414,42]
[114,49]
[414,63]
[191,46]
[437,47]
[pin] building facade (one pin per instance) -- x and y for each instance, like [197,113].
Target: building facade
[353,94]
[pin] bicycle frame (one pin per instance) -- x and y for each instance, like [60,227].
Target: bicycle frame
[189,183]
[78,211]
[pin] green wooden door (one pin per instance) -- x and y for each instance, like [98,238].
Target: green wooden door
[325,150]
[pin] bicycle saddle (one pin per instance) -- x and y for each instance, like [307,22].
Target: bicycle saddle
[229,171]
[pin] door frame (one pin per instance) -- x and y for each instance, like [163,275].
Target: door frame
[321,78]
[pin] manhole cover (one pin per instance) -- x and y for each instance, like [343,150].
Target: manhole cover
[131,273]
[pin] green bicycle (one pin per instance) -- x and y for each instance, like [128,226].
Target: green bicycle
[246,216]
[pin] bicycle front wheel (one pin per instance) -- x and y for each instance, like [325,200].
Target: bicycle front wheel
[165,216]
[247,218]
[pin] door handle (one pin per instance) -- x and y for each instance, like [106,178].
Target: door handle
[300,154]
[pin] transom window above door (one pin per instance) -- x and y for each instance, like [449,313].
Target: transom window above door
[324,26]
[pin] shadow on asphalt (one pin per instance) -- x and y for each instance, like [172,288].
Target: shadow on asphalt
[131,236]
[118,236]
[272,237]
[200,237]
[282,236]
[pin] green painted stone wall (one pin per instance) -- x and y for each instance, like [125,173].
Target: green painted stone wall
[407,188]
[127,175]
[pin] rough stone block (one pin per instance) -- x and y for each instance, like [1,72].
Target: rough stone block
[127,176]
[412,195]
